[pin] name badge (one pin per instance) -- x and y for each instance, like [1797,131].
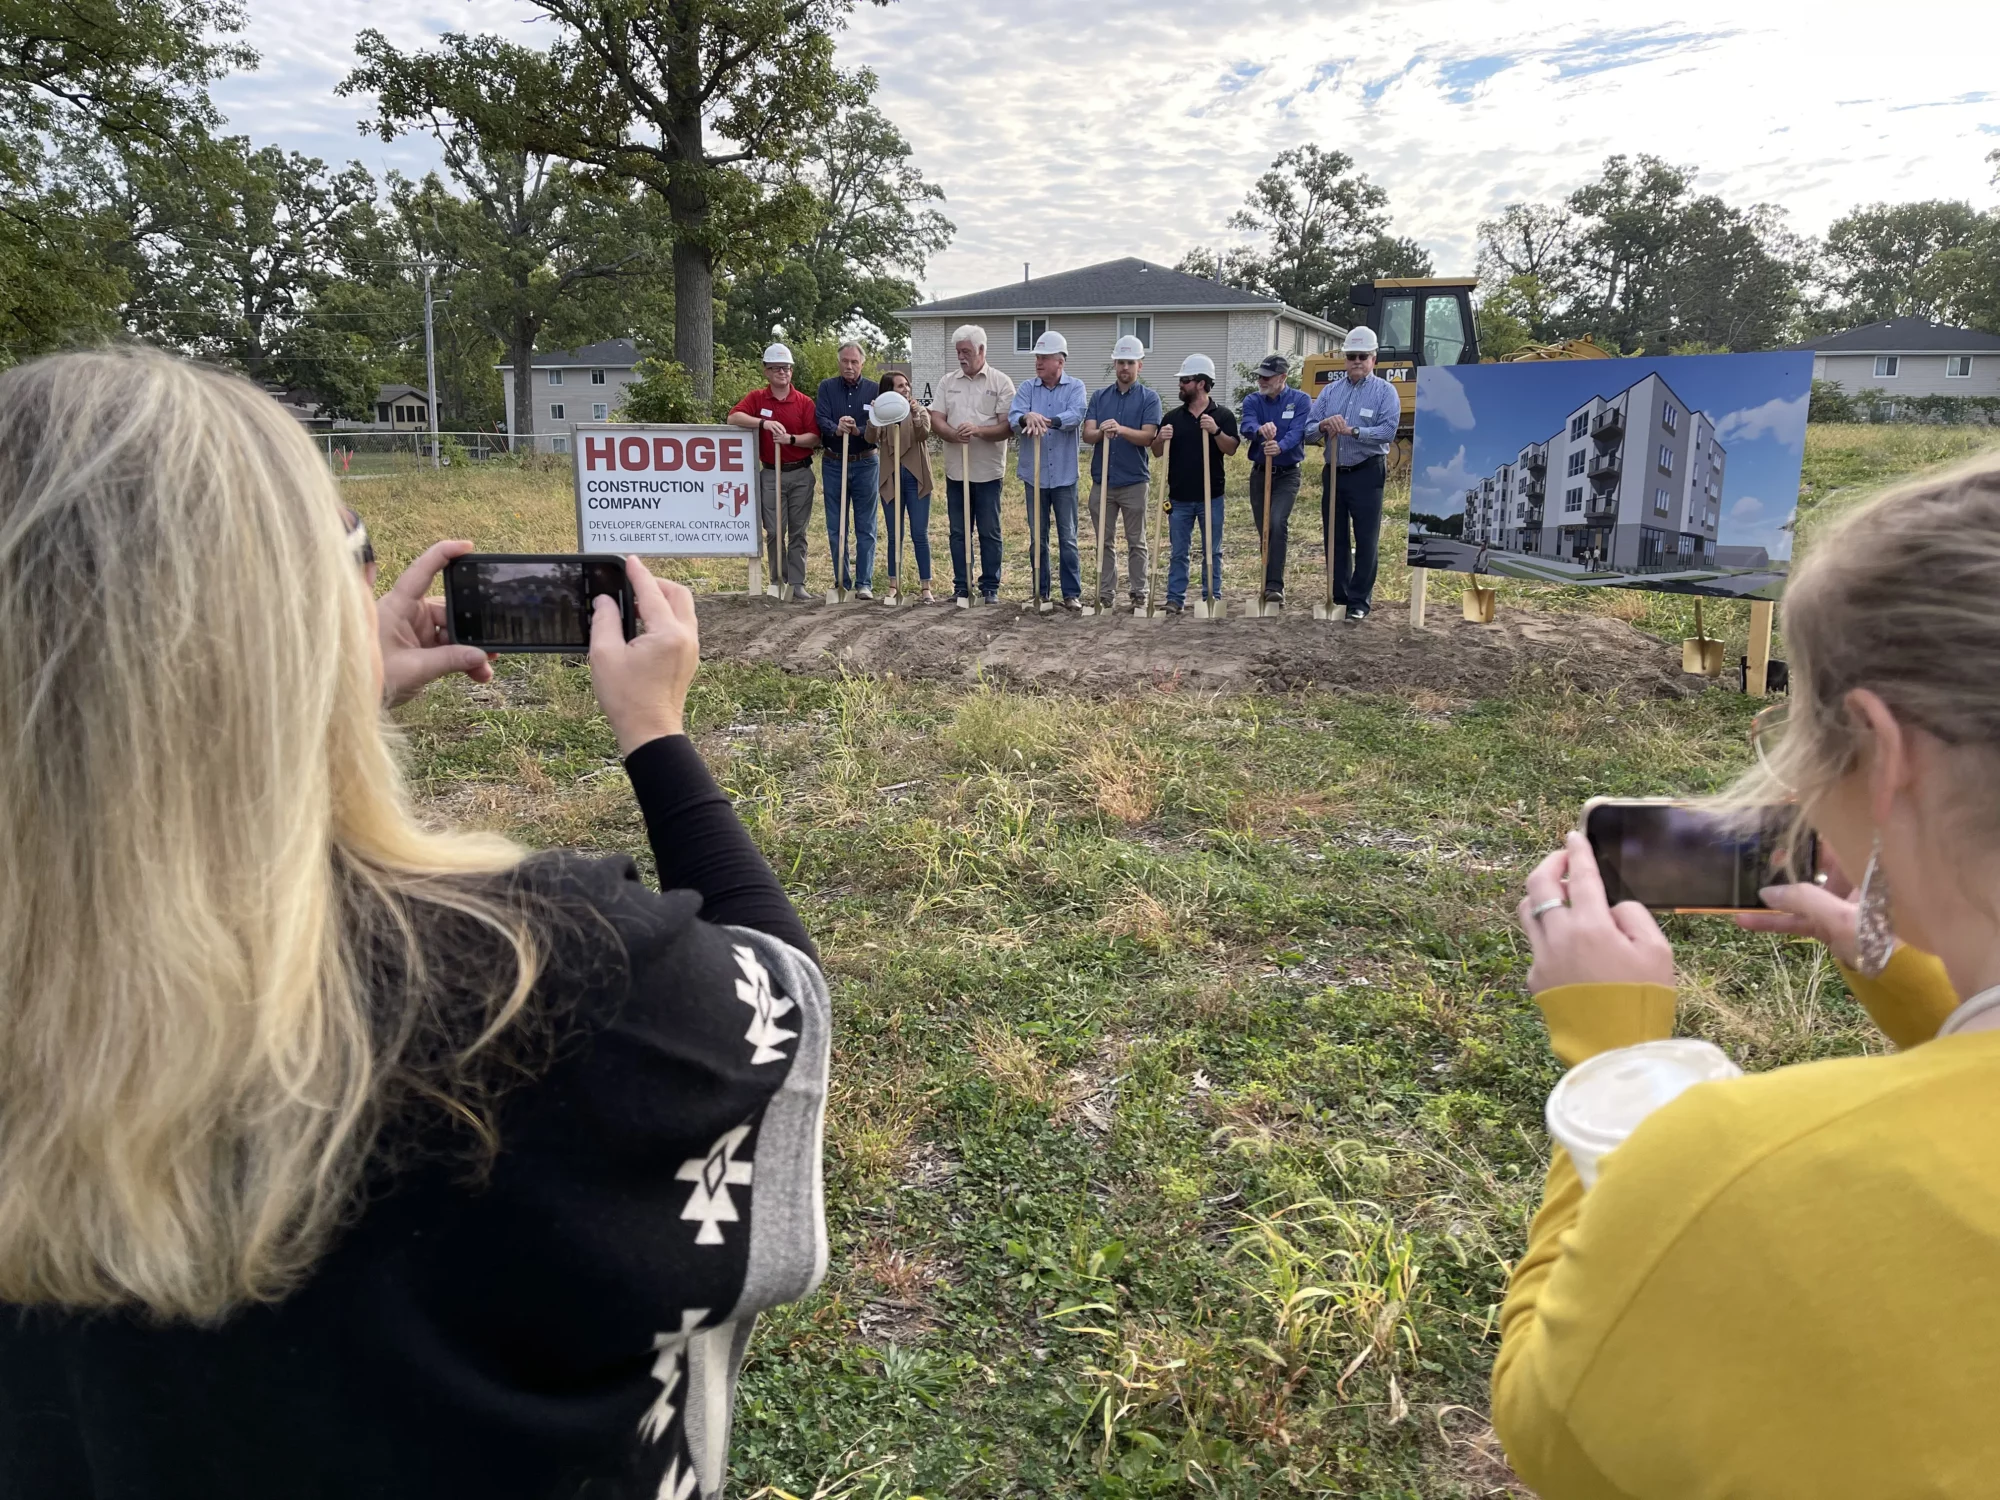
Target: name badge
[767,411]
[1367,411]
[1287,415]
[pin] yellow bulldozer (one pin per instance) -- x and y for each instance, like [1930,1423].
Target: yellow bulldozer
[1424,320]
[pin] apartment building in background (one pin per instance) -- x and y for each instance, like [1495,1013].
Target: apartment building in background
[572,386]
[1630,483]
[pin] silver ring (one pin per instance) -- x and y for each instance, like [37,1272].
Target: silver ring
[1535,913]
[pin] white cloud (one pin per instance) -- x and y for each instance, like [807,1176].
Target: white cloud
[1440,490]
[1776,418]
[1065,135]
[1443,393]
[1746,508]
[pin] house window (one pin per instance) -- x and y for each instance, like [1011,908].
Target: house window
[556,411]
[599,410]
[1576,459]
[1886,366]
[1958,367]
[1670,417]
[1579,425]
[597,377]
[1138,326]
[1573,498]
[1660,501]
[1026,331]
[558,445]
[1298,338]
[555,377]
[1667,457]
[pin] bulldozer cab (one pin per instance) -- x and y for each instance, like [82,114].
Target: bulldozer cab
[1418,321]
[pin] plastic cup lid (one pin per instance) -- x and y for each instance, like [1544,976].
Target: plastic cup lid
[1601,1101]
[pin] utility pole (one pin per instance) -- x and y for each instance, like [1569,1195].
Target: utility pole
[431,373]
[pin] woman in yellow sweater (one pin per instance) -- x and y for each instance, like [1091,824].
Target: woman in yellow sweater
[1789,1284]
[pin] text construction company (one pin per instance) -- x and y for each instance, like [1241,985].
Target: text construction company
[666,491]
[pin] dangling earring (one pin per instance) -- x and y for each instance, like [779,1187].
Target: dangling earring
[1874,941]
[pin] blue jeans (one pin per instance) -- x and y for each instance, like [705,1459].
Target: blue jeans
[863,475]
[1182,524]
[986,520]
[916,521]
[1059,502]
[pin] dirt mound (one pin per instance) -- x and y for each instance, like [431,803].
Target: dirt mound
[1111,654]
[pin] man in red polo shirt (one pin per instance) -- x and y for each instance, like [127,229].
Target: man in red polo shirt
[789,423]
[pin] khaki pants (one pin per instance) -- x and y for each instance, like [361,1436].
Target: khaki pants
[1129,502]
[796,485]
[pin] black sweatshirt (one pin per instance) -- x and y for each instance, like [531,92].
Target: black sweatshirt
[571,1324]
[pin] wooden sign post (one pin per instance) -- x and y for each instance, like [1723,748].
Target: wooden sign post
[1758,667]
[1420,589]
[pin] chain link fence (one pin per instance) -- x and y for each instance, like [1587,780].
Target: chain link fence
[358,454]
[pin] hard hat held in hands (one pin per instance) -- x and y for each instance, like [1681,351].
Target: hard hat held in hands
[889,408]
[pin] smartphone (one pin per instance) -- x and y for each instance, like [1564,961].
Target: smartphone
[542,601]
[1673,856]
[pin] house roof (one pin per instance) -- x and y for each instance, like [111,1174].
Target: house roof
[399,392]
[1905,336]
[1128,285]
[606,354]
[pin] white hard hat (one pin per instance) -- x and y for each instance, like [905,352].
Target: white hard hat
[1359,340]
[1051,343]
[777,354]
[1128,348]
[1196,364]
[889,408]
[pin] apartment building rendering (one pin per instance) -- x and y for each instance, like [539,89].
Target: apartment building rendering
[1630,483]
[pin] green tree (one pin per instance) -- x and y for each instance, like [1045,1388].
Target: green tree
[1878,257]
[1318,222]
[875,230]
[1531,249]
[523,241]
[83,84]
[246,264]
[690,99]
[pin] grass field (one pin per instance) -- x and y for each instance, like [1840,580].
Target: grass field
[1187,1101]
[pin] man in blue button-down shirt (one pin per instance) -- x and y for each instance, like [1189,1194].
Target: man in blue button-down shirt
[1049,410]
[1122,419]
[1274,431]
[842,407]
[1357,414]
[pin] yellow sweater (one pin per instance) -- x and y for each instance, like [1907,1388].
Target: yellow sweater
[1787,1284]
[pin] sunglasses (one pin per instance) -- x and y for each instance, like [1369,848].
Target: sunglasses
[1353,357]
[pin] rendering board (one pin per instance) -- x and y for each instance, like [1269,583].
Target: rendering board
[1677,473]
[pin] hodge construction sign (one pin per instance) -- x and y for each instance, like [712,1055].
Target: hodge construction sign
[666,491]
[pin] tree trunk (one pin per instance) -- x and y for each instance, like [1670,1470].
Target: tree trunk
[694,316]
[521,352]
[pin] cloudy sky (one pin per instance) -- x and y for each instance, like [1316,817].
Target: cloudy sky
[1067,132]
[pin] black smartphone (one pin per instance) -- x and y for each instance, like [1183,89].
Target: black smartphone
[1672,856]
[540,601]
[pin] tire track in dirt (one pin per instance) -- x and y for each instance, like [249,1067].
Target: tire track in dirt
[1121,654]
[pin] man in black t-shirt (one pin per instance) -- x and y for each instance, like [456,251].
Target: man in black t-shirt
[1196,426]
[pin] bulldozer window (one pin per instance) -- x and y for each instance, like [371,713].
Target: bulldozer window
[1444,330]
[1398,331]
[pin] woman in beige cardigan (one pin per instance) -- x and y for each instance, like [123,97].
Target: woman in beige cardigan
[912,477]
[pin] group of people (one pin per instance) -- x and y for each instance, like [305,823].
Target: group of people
[343,1154]
[978,411]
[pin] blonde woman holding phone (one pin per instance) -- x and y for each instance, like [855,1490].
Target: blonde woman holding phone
[341,1155]
[1789,1283]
